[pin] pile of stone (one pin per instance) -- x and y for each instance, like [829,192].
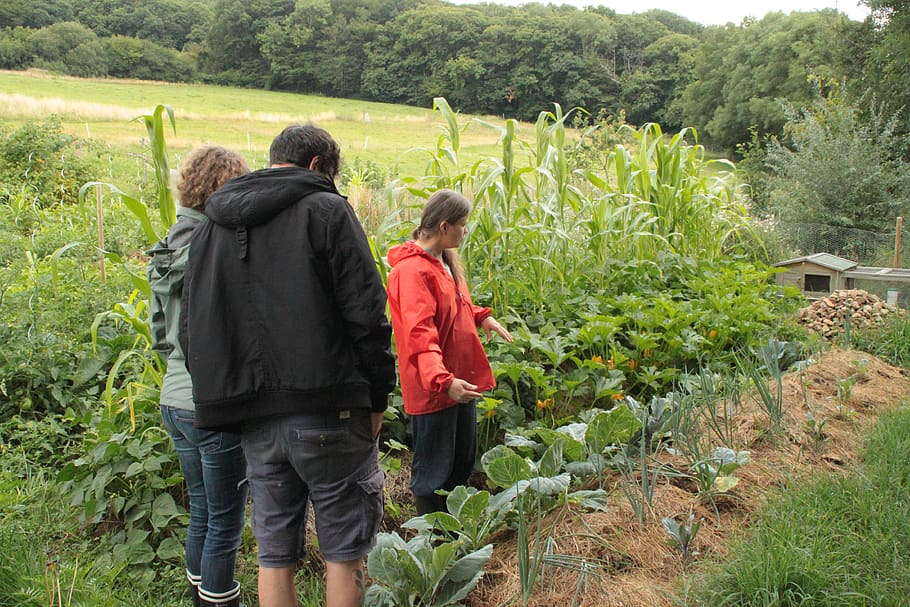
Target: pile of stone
[828,316]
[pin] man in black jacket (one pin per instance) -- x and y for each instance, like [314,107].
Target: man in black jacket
[287,339]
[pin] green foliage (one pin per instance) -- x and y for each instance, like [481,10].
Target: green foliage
[29,577]
[40,160]
[40,543]
[26,13]
[143,59]
[168,23]
[52,45]
[888,52]
[233,41]
[639,469]
[472,518]
[74,49]
[822,543]
[46,442]
[842,164]
[128,478]
[49,286]
[529,488]
[642,290]
[889,341]
[129,473]
[741,71]
[582,445]
[417,573]
[15,51]
[486,59]
[682,534]
[19,571]
[715,474]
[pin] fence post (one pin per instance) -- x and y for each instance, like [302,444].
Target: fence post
[100,217]
[897,242]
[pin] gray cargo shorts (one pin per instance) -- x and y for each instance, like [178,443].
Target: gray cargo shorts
[330,460]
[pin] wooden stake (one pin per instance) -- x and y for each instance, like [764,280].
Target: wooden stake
[100,216]
[897,242]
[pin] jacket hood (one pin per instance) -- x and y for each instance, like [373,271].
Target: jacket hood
[407,249]
[257,197]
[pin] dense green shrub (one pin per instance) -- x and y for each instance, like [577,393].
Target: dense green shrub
[50,287]
[40,159]
[15,52]
[146,60]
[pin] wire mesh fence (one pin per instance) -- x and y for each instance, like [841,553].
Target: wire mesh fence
[862,246]
[865,247]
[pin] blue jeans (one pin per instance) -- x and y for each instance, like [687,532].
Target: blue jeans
[215,471]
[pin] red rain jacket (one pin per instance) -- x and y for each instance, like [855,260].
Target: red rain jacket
[435,326]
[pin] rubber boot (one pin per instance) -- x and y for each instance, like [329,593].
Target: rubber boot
[194,581]
[231,598]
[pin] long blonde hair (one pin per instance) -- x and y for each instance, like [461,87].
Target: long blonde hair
[450,206]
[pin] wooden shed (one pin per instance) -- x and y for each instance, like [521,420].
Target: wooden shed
[816,275]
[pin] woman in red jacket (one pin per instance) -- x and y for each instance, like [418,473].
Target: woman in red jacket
[441,363]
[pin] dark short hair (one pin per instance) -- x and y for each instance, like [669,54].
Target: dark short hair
[298,144]
[203,171]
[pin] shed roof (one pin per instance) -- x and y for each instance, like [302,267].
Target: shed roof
[876,273]
[826,260]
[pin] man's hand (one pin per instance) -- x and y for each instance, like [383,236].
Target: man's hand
[376,423]
[462,392]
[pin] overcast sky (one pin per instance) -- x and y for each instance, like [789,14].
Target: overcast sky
[709,12]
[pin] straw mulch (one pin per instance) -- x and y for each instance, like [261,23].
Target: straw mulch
[632,564]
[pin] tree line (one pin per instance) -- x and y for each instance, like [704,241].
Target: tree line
[486,59]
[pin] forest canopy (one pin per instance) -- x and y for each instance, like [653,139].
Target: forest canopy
[513,62]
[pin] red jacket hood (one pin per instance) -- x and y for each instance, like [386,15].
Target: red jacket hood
[407,249]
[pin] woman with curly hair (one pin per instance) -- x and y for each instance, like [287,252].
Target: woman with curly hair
[212,461]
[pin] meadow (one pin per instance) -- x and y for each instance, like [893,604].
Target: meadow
[658,376]
[244,120]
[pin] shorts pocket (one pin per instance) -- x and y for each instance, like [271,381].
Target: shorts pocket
[372,500]
[321,437]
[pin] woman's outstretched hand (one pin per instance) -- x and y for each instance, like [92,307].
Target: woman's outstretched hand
[490,325]
[462,392]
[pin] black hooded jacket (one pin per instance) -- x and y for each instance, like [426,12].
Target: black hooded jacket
[283,307]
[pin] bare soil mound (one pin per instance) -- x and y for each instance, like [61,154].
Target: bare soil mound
[632,565]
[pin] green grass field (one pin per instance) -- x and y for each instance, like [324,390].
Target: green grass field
[244,120]
[834,541]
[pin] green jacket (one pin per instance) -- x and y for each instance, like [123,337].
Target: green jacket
[167,266]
